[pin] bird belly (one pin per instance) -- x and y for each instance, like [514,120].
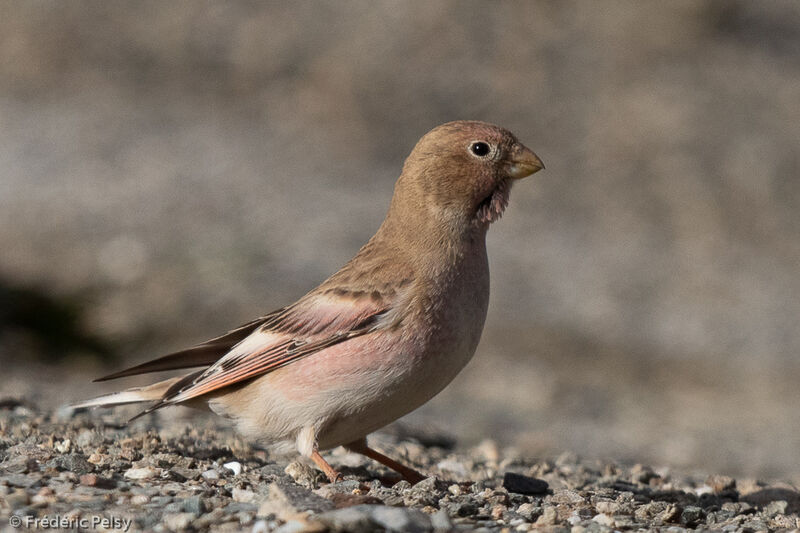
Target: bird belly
[387,394]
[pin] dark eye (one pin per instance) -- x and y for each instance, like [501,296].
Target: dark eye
[480,148]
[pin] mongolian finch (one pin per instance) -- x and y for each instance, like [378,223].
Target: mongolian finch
[381,336]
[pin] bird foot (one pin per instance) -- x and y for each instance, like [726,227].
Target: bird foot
[327,469]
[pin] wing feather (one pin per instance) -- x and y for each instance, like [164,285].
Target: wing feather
[313,324]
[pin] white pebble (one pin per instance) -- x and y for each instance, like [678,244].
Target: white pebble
[142,473]
[260,527]
[234,466]
[575,518]
[604,519]
[139,499]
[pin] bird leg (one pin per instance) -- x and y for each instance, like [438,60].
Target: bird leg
[409,474]
[323,465]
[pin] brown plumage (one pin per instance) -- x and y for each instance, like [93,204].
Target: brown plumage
[382,335]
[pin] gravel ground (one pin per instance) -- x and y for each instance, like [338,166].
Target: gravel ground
[168,474]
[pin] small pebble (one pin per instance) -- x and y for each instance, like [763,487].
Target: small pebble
[93,480]
[261,526]
[608,507]
[234,466]
[528,510]
[777,507]
[498,511]
[147,472]
[604,519]
[241,495]
[139,499]
[548,517]
[63,446]
[177,521]
[691,514]
[301,473]
[524,484]
[210,474]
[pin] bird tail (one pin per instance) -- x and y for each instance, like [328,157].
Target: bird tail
[149,393]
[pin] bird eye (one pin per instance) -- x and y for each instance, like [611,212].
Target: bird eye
[479,148]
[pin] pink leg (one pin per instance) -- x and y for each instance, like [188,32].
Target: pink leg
[409,474]
[323,465]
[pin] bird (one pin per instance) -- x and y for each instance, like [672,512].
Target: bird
[378,338]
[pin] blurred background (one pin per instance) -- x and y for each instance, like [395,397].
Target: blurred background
[171,170]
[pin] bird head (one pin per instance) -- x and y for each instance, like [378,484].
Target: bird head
[460,174]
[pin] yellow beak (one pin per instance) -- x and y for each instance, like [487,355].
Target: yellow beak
[523,162]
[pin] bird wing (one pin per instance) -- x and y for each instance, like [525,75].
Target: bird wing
[314,323]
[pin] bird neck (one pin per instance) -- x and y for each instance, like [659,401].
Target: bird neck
[428,238]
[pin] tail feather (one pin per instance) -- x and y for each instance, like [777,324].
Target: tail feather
[204,354]
[150,393]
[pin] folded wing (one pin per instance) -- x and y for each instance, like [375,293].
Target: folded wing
[312,324]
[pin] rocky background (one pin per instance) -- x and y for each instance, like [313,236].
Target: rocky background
[170,170]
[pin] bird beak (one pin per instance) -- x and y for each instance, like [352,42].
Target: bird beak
[523,162]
